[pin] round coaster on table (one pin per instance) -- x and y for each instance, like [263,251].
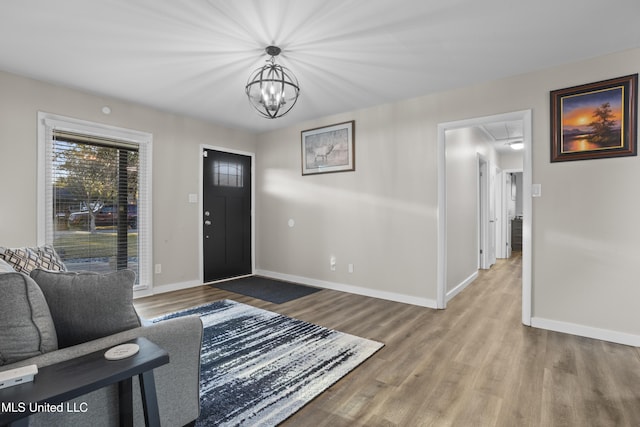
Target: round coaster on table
[121,351]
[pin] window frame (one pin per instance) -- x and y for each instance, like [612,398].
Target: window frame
[144,140]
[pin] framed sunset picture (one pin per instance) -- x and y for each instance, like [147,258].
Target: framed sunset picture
[596,120]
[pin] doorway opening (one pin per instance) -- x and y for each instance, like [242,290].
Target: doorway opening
[524,117]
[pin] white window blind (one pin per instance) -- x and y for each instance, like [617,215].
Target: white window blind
[96,190]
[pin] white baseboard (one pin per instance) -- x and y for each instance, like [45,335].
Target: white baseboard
[586,331]
[391,296]
[166,288]
[466,282]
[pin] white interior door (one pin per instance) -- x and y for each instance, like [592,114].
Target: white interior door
[507,214]
[483,212]
[499,226]
[491,228]
[486,214]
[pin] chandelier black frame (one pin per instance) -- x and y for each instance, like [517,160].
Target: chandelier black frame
[273,89]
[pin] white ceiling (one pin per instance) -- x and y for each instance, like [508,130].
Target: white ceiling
[504,133]
[193,57]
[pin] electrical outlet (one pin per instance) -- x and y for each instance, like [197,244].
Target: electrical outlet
[158,268]
[332,263]
[350,268]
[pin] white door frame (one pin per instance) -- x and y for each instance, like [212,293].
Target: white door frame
[491,226]
[200,207]
[525,116]
[499,199]
[482,215]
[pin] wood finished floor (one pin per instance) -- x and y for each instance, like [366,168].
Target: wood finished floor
[473,364]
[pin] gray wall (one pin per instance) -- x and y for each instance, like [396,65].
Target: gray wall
[176,159]
[379,218]
[383,217]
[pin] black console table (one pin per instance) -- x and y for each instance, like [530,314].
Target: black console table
[67,380]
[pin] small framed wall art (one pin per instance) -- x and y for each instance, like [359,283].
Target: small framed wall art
[329,149]
[595,120]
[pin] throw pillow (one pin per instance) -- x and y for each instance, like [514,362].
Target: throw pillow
[25,259]
[85,306]
[5,267]
[26,326]
[48,259]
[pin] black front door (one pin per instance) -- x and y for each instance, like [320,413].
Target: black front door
[227,215]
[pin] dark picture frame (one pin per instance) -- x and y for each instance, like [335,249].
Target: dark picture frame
[595,121]
[329,149]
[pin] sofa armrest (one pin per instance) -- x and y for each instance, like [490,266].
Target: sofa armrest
[177,383]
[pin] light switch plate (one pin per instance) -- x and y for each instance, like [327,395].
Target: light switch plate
[536,190]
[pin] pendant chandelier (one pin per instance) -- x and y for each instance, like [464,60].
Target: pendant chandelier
[273,89]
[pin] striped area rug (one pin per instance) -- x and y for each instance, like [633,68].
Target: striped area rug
[259,367]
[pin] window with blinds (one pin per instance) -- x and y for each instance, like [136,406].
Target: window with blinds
[97,192]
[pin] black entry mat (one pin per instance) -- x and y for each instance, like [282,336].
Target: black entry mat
[274,291]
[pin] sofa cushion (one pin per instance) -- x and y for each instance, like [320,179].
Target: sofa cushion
[85,306]
[26,326]
[26,259]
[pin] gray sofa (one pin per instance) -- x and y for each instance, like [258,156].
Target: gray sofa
[177,383]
